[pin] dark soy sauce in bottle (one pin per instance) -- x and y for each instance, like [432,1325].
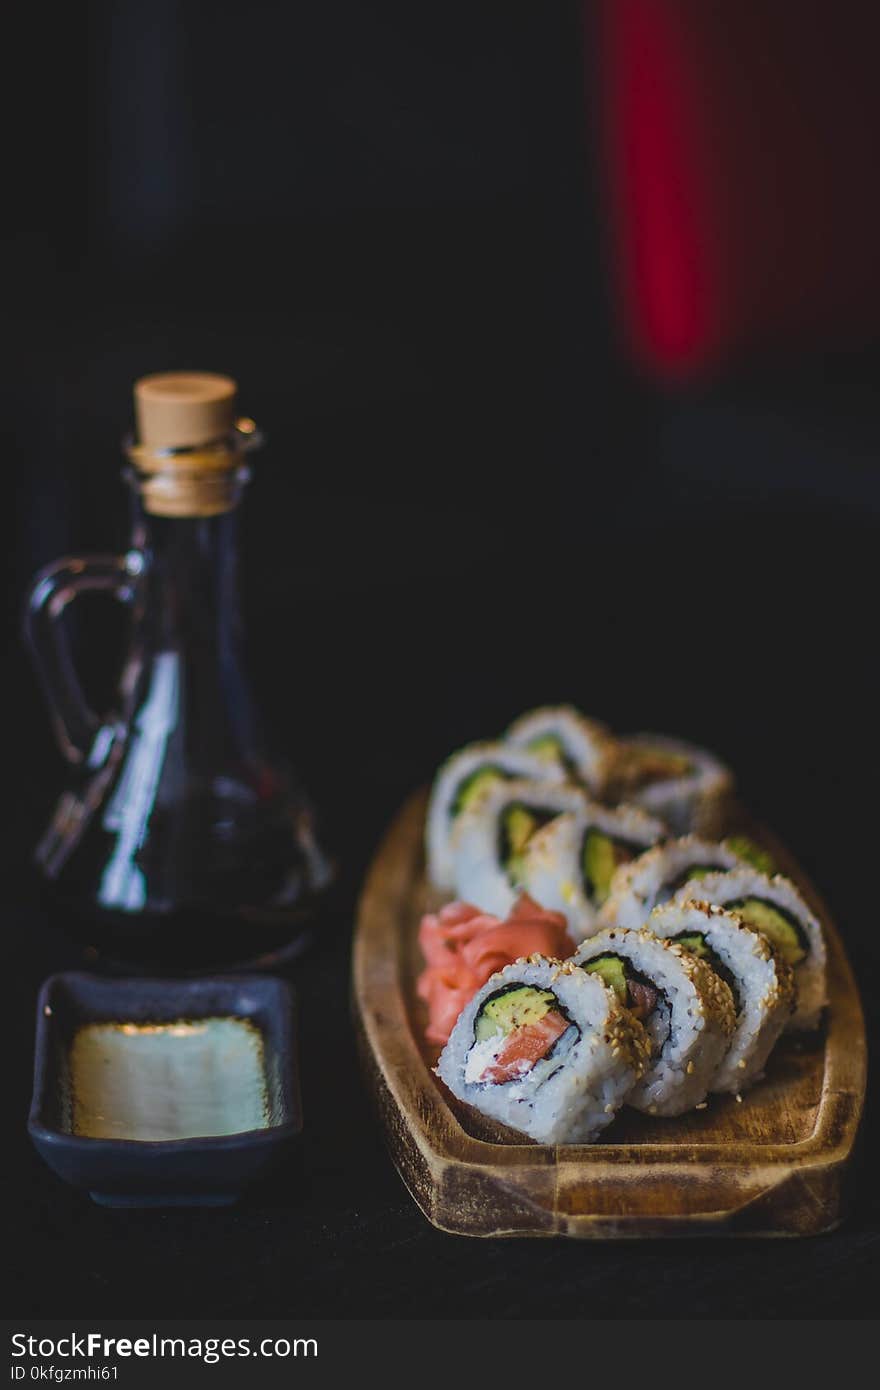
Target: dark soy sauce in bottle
[179,842]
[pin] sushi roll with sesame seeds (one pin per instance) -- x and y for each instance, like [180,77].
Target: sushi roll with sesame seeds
[760,980]
[490,838]
[569,864]
[461,782]
[686,1009]
[775,907]
[547,1049]
[656,876]
[686,786]
[563,737]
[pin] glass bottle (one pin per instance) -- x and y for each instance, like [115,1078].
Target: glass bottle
[179,842]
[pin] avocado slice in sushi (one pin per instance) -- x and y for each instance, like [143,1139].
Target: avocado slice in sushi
[634,991]
[612,970]
[779,926]
[601,855]
[551,749]
[518,825]
[472,787]
[515,1029]
[695,943]
[752,853]
[512,1008]
[548,747]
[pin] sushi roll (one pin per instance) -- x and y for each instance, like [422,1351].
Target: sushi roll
[685,786]
[490,838]
[546,1049]
[656,876]
[461,782]
[775,907]
[562,736]
[686,1009]
[760,980]
[568,865]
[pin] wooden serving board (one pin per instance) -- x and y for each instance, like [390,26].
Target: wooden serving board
[772,1164]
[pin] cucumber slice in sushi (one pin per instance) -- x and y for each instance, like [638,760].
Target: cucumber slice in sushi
[686,1010]
[760,980]
[547,1049]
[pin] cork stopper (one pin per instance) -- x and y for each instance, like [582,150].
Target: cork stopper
[189,448]
[176,410]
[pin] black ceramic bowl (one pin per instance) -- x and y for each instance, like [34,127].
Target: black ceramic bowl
[98,1091]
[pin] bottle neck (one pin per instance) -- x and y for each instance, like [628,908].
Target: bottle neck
[186,670]
[189,640]
[192,580]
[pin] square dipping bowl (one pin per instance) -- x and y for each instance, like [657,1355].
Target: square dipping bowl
[164,1092]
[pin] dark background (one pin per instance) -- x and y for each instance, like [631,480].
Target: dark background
[385,221]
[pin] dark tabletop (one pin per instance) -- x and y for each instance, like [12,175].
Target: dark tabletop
[739,624]
[468,506]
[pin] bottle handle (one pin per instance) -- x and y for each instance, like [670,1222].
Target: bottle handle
[54,587]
